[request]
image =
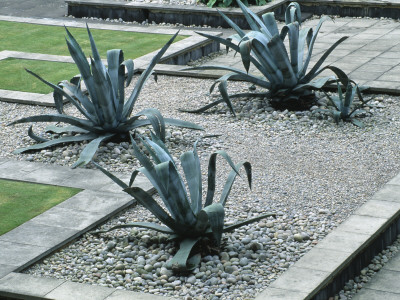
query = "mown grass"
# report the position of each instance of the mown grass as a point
(22, 201)
(24, 82)
(46, 39)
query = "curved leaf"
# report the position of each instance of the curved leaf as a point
(34, 136)
(311, 45)
(148, 202)
(111, 176)
(231, 179)
(191, 167)
(146, 225)
(64, 129)
(90, 149)
(61, 91)
(84, 124)
(252, 220)
(50, 143)
(179, 263)
(315, 68)
(128, 107)
(212, 174)
(270, 23)
(216, 214)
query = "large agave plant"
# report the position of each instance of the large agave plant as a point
(283, 71)
(187, 218)
(107, 113)
(344, 107)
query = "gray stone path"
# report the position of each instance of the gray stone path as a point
(385, 284)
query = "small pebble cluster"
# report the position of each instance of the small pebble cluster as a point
(353, 286)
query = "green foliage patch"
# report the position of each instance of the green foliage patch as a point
(46, 39)
(14, 78)
(22, 201)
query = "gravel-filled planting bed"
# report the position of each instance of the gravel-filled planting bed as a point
(310, 171)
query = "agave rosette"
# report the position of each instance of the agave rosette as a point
(283, 71)
(107, 113)
(186, 218)
(343, 104)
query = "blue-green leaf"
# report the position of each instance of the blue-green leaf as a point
(90, 149)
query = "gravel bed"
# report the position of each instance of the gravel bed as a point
(309, 170)
(353, 286)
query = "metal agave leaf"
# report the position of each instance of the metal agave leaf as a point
(105, 110)
(283, 71)
(344, 107)
(186, 216)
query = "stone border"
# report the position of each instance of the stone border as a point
(179, 53)
(159, 13)
(353, 8)
(346, 250)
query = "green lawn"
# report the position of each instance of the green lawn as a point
(45, 39)
(21, 201)
(51, 40)
(24, 82)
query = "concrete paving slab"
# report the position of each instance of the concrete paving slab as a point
(279, 294)
(6, 269)
(14, 254)
(327, 260)
(389, 192)
(69, 218)
(293, 280)
(55, 175)
(374, 68)
(369, 294)
(363, 224)
(380, 209)
(85, 178)
(44, 235)
(17, 169)
(99, 202)
(72, 290)
(32, 286)
(393, 264)
(386, 281)
(128, 295)
(343, 241)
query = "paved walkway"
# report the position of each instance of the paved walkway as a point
(385, 284)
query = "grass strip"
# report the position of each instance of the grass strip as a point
(15, 78)
(47, 39)
(22, 201)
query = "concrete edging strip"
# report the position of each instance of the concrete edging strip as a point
(339, 248)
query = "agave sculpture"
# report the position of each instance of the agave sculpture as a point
(343, 105)
(283, 71)
(187, 219)
(107, 113)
